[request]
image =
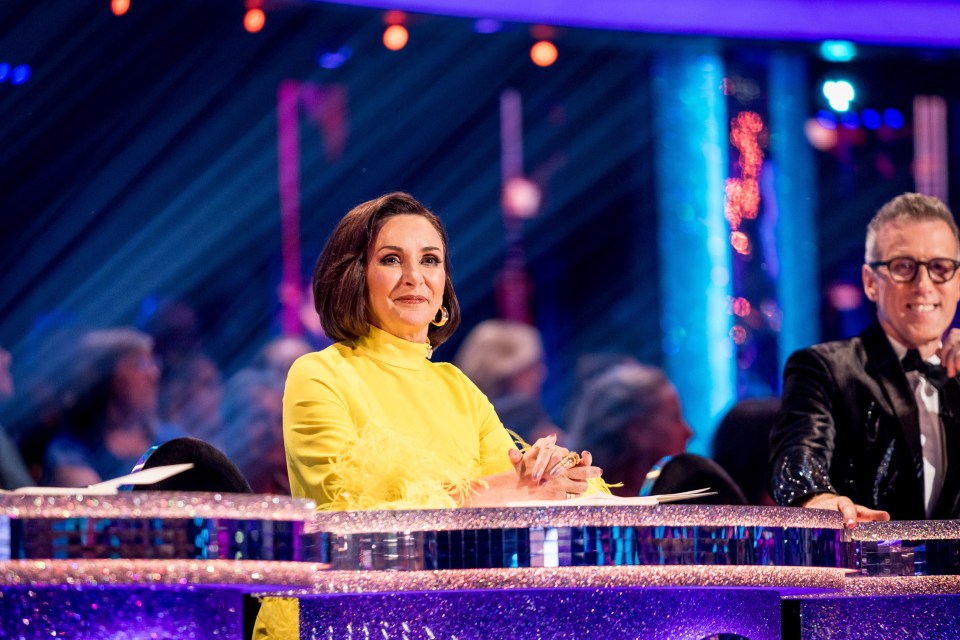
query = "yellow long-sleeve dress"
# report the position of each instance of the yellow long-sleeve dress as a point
(376, 425)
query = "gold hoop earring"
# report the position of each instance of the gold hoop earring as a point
(442, 317)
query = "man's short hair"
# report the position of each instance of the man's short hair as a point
(914, 207)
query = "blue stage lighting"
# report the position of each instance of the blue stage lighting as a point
(871, 119)
(334, 59)
(691, 159)
(850, 120)
(487, 25)
(826, 119)
(838, 50)
(20, 74)
(4, 71)
(892, 118)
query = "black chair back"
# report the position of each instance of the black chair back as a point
(212, 470)
(688, 471)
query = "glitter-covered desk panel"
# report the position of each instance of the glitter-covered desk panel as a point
(652, 614)
(78, 538)
(589, 546)
(909, 548)
(925, 617)
(114, 613)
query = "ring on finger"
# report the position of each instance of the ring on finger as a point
(568, 461)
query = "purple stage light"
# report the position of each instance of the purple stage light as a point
(923, 23)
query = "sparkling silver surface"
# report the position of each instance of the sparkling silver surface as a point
(909, 548)
(578, 577)
(98, 573)
(346, 522)
(865, 586)
(157, 504)
(908, 529)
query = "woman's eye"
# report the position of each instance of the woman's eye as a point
(431, 260)
(390, 259)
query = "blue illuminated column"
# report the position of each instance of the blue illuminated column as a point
(691, 160)
(796, 201)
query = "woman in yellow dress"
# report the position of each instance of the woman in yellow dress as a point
(370, 422)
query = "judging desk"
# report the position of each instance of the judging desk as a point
(193, 565)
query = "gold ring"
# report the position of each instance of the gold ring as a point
(570, 460)
(571, 495)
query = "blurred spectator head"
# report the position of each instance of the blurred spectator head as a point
(175, 331)
(115, 371)
(278, 354)
(629, 418)
(741, 445)
(190, 397)
(503, 357)
(253, 428)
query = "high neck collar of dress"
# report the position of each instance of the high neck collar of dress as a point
(389, 349)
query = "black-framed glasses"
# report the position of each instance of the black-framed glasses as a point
(906, 269)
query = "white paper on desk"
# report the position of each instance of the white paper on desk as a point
(109, 487)
(607, 500)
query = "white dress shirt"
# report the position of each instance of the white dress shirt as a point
(931, 430)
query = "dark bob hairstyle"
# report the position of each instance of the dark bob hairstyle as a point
(340, 277)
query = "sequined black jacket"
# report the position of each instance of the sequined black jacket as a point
(848, 424)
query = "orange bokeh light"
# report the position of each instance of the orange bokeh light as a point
(254, 19)
(119, 7)
(543, 53)
(740, 242)
(395, 37)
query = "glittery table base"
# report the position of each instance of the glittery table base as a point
(929, 617)
(796, 578)
(110, 613)
(252, 575)
(652, 614)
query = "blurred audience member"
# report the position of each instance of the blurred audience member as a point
(13, 472)
(253, 428)
(741, 446)
(37, 411)
(111, 409)
(505, 360)
(278, 354)
(190, 396)
(629, 417)
(175, 331)
(591, 366)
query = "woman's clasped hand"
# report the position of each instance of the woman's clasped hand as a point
(544, 471)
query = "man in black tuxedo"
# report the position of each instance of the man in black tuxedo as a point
(871, 426)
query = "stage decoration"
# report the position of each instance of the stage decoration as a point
(326, 107)
(792, 261)
(693, 237)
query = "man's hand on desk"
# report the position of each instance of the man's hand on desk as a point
(852, 513)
